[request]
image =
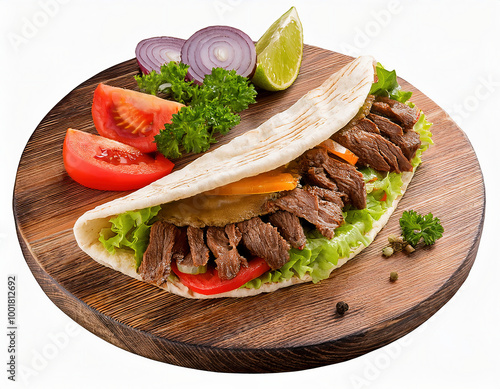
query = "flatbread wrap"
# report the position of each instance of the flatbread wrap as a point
(341, 157)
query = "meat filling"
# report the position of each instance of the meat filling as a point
(223, 242)
(264, 241)
(400, 113)
(345, 176)
(385, 139)
(373, 150)
(324, 215)
(166, 243)
(289, 227)
(199, 250)
(385, 126)
(408, 141)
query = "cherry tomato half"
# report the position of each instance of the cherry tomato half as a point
(131, 117)
(100, 163)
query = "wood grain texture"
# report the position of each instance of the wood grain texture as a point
(291, 329)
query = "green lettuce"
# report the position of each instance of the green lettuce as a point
(423, 127)
(129, 230)
(387, 85)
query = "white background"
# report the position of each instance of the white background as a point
(448, 49)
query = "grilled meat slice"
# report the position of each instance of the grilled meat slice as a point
(264, 241)
(398, 112)
(386, 127)
(199, 250)
(222, 241)
(373, 150)
(289, 227)
(166, 243)
(324, 215)
(347, 179)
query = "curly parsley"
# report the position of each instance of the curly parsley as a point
(171, 81)
(416, 227)
(211, 108)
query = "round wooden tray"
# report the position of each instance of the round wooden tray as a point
(291, 329)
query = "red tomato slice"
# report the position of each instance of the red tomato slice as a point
(100, 163)
(131, 117)
(210, 283)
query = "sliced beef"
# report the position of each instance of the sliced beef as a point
(289, 227)
(346, 177)
(398, 112)
(373, 150)
(222, 241)
(335, 197)
(408, 141)
(348, 180)
(385, 126)
(325, 216)
(234, 236)
(186, 261)
(330, 216)
(317, 176)
(368, 125)
(166, 243)
(299, 202)
(264, 241)
(198, 249)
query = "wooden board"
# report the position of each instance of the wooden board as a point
(291, 329)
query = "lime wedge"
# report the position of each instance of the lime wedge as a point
(279, 53)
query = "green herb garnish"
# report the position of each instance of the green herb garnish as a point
(211, 108)
(171, 81)
(387, 85)
(416, 227)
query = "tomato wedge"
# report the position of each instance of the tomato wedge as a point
(340, 151)
(268, 182)
(209, 283)
(100, 163)
(131, 117)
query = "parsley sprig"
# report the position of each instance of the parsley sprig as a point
(171, 81)
(416, 227)
(211, 108)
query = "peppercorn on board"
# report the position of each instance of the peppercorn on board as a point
(291, 329)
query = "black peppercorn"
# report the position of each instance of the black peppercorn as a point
(342, 307)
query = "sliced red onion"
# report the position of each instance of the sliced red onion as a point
(218, 47)
(151, 53)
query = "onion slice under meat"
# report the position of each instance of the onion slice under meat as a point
(151, 53)
(219, 47)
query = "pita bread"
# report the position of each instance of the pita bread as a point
(314, 118)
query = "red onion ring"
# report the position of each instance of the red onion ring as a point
(218, 47)
(151, 53)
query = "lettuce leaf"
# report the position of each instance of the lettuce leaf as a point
(422, 126)
(387, 85)
(129, 230)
